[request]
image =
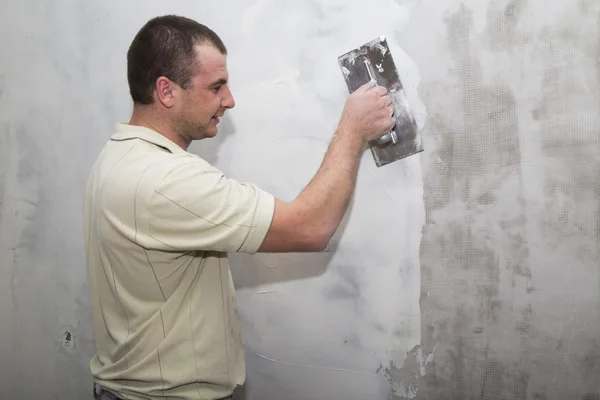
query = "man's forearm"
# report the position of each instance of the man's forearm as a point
(308, 222)
(326, 197)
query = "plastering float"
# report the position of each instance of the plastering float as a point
(373, 61)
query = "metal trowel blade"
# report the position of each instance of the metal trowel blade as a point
(407, 139)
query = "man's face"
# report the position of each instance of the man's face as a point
(207, 99)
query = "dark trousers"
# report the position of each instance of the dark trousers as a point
(102, 394)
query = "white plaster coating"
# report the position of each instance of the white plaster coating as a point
(357, 309)
(345, 71)
(316, 325)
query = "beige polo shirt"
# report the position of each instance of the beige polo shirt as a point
(158, 223)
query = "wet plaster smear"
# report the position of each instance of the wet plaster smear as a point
(469, 271)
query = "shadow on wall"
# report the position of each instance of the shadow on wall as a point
(264, 268)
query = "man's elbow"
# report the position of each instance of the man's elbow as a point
(318, 238)
(317, 246)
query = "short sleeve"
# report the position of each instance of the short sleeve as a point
(196, 207)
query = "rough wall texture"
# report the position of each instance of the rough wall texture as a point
(511, 247)
(506, 195)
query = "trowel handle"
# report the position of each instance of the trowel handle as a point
(390, 135)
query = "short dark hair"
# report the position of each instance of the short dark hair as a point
(164, 46)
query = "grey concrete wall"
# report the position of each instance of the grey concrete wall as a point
(484, 283)
(511, 248)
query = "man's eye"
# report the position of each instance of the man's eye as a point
(216, 89)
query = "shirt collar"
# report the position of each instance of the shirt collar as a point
(126, 132)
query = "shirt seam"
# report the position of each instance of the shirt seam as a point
(101, 234)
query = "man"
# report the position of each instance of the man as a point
(159, 221)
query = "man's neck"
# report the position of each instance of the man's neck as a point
(149, 118)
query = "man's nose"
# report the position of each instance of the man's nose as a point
(228, 101)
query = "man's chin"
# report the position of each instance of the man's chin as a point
(208, 134)
(212, 131)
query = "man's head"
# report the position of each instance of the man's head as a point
(178, 67)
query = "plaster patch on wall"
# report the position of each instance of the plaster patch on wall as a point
(472, 249)
(494, 234)
(354, 308)
(405, 380)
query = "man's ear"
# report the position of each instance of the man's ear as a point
(165, 91)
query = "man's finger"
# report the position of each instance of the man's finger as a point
(392, 123)
(380, 90)
(367, 86)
